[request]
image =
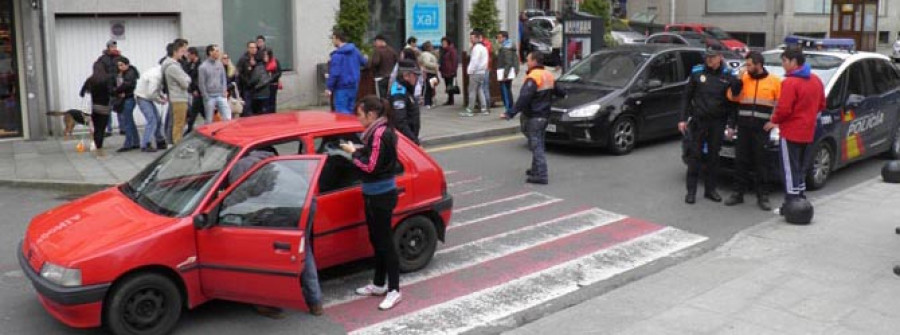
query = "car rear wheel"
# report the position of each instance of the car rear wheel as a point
(822, 165)
(147, 303)
(415, 240)
(622, 136)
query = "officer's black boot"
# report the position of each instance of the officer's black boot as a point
(734, 199)
(690, 198)
(762, 199)
(712, 195)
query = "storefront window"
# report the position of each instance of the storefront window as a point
(10, 111)
(389, 19)
(731, 6)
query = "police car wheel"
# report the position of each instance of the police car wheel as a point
(622, 136)
(822, 165)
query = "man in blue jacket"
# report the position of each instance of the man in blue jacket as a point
(343, 73)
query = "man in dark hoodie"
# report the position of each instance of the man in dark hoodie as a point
(245, 69)
(343, 73)
(122, 90)
(108, 61)
(195, 105)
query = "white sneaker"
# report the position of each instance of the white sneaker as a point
(392, 299)
(371, 290)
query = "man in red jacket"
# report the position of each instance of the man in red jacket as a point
(802, 97)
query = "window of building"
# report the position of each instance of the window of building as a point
(246, 19)
(812, 6)
(731, 6)
(884, 37)
(10, 112)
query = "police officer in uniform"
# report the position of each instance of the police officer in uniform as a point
(405, 117)
(704, 112)
(756, 102)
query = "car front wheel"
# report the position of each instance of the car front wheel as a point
(146, 303)
(415, 240)
(622, 136)
(822, 165)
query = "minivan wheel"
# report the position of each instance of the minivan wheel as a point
(144, 304)
(415, 240)
(622, 136)
(823, 164)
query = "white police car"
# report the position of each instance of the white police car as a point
(862, 114)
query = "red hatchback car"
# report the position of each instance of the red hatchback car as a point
(716, 32)
(184, 231)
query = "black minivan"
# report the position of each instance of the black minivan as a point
(619, 96)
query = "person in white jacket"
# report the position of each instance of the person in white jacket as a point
(478, 66)
(148, 93)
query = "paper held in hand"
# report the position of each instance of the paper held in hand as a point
(509, 76)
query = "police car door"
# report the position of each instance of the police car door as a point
(861, 115)
(882, 125)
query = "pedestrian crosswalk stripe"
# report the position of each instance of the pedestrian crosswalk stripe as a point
(499, 208)
(494, 303)
(502, 200)
(463, 182)
(483, 250)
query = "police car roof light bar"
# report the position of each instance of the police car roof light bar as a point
(830, 44)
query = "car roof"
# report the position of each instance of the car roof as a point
(248, 130)
(845, 56)
(651, 48)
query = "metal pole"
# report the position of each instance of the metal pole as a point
(671, 11)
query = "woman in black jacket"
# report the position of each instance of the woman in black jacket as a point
(97, 86)
(273, 67)
(377, 159)
(121, 87)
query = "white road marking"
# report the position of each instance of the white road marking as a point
(492, 304)
(463, 182)
(471, 191)
(482, 250)
(549, 200)
(484, 204)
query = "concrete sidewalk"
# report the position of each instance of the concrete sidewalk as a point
(831, 277)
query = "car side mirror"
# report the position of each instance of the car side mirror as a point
(202, 221)
(854, 100)
(653, 83)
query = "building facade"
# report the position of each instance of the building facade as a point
(47, 46)
(763, 24)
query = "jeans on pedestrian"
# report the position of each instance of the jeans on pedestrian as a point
(476, 89)
(486, 86)
(132, 140)
(309, 278)
(151, 130)
(344, 99)
(212, 103)
(506, 93)
(379, 208)
(536, 128)
(795, 162)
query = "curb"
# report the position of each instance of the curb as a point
(56, 185)
(475, 135)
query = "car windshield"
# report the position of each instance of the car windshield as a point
(823, 66)
(176, 182)
(717, 33)
(613, 69)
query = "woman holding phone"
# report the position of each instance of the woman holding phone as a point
(377, 159)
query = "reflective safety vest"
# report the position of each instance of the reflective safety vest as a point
(757, 99)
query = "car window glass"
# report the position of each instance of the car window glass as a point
(838, 95)
(857, 83)
(689, 59)
(883, 76)
(273, 196)
(338, 171)
(664, 68)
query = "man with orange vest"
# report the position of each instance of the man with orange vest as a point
(534, 102)
(756, 102)
(802, 98)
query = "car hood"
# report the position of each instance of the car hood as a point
(732, 43)
(88, 227)
(578, 95)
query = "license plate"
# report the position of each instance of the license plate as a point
(551, 128)
(727, 152)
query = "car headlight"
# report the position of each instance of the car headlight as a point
(585, 111)
(60, 275)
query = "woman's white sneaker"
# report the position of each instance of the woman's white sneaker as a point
(371, 290)
(390, 300)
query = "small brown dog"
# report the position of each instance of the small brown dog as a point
(73, 117)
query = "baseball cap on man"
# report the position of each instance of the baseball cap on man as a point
(710, 52)
(111, 43)
(408, 65)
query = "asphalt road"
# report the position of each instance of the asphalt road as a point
(493, 203)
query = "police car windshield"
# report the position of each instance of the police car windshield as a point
(613, 69)
(823, 66)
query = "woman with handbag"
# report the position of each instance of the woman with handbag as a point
(449, 63)
(97, 86)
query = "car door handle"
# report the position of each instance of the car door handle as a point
(285, 246)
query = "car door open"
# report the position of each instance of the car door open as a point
(250, 241)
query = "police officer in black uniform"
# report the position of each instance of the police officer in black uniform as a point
(705, 110)
(405, 117)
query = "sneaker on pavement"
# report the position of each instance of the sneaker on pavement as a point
(390, 300)
(467, 113)
(371, 290)
(485, 112)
